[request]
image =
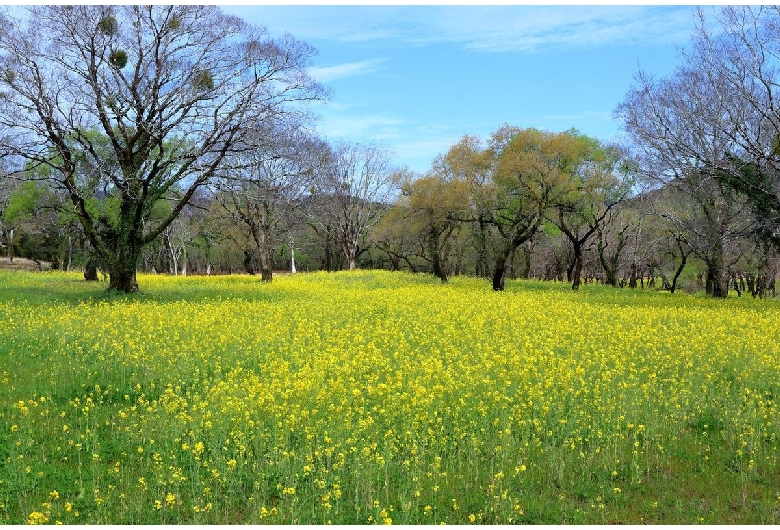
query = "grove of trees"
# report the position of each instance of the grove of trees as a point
(178, 139)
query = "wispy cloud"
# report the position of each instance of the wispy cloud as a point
(530, 28)
(355, 125)
(502, 28)
(326, 74)
(414, 144)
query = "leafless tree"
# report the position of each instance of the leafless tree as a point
(166, 91)
(267, 185)
(353, 186)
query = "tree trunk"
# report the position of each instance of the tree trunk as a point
(520, 233)
(760, 286)
(679, 270)
(352, 256)
(498, 271)
(439, 269)
(292, 255)
(90, 269)
(736, 285)
(11, 245)
(715, 286)
(248, 267)
(481, 268)
(610, 263)
(123, 263)
(70, 253)
(577, 273)
(122, 277)
(528, 252)
(266, 265)
(503, 259)
(576, 269)
(608, 266)
(327, 259)
(434, 247)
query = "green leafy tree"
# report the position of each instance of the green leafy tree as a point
(535, 172)
(20, 205)
(598, 190)
(434, 203)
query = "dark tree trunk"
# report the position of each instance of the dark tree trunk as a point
(248, 266)
(751, 284)
(498, 273)
(736, 285)
(577, 274)
(326, 260)
(122, 278)
(519, 234)
(715, 286)
(761, 281)
(439, 270)
(679, 270)
(123, 262)
(575, 271)
(266, 265)
(90, 270)
(482, 268)
(437, 253)
(610, 264)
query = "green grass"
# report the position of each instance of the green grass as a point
(374, 397)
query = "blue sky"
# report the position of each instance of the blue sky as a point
(415, 79)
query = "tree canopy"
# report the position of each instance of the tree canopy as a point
(170, 90)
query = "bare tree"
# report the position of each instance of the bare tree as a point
(267, 186)
(741, 62)
(714, 126)
(353, 185)
(171, 88)
(683, 129)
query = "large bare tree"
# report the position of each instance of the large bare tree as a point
(711, 128)
(268, 184)
(353, 185)
(171, 88)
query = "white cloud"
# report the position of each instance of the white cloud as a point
(529, 28)
(494, 28)
(414, 144)
(356, 127)
(325, 74)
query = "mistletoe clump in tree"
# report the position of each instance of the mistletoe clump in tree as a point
(152, 99)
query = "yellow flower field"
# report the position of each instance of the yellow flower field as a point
(377, 397)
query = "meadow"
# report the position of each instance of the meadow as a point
(377, 397)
